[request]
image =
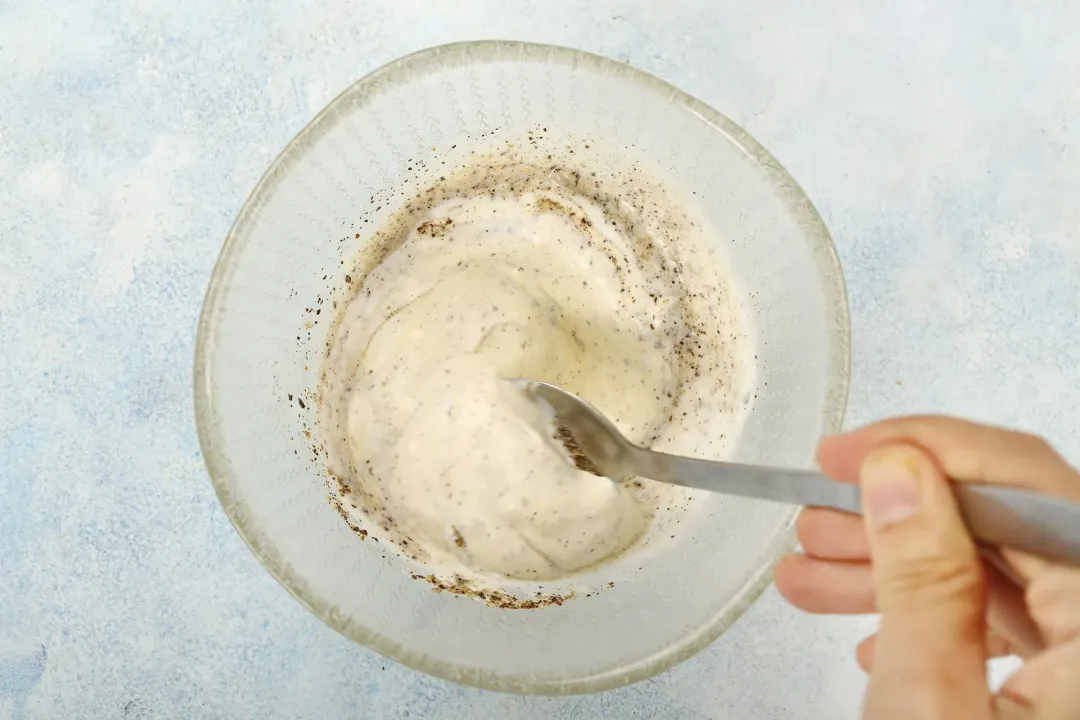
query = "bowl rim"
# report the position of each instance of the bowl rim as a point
(359, 94)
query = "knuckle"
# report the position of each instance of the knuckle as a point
(934, 579)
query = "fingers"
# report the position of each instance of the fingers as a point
(825, 587)
(928, 659)
(1050, 682)
(966, 452)
(834, 575)
(832, 535)
(930, 653)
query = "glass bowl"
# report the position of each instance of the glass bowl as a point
(261, 337)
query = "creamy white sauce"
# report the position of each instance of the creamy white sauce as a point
(516, 266)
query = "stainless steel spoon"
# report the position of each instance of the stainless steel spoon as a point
(1040, 524)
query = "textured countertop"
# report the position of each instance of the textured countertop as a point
(939, 139)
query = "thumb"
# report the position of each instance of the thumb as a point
(930, 653)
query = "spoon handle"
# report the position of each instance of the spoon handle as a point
(1040, 524)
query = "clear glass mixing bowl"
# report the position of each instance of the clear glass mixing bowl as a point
(259, 347)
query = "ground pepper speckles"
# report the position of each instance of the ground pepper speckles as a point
(495, 598)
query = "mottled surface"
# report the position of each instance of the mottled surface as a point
(938, 138)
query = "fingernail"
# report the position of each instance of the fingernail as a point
(890, 487)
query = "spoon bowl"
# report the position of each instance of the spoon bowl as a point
(591, 440)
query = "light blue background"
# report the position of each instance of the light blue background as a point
(940, 139)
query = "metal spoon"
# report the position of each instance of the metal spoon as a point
(1040, 524)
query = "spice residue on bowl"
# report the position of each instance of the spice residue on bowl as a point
(542, 259)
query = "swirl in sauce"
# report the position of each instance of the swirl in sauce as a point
(518, 265)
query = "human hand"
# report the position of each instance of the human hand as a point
(943, 611)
